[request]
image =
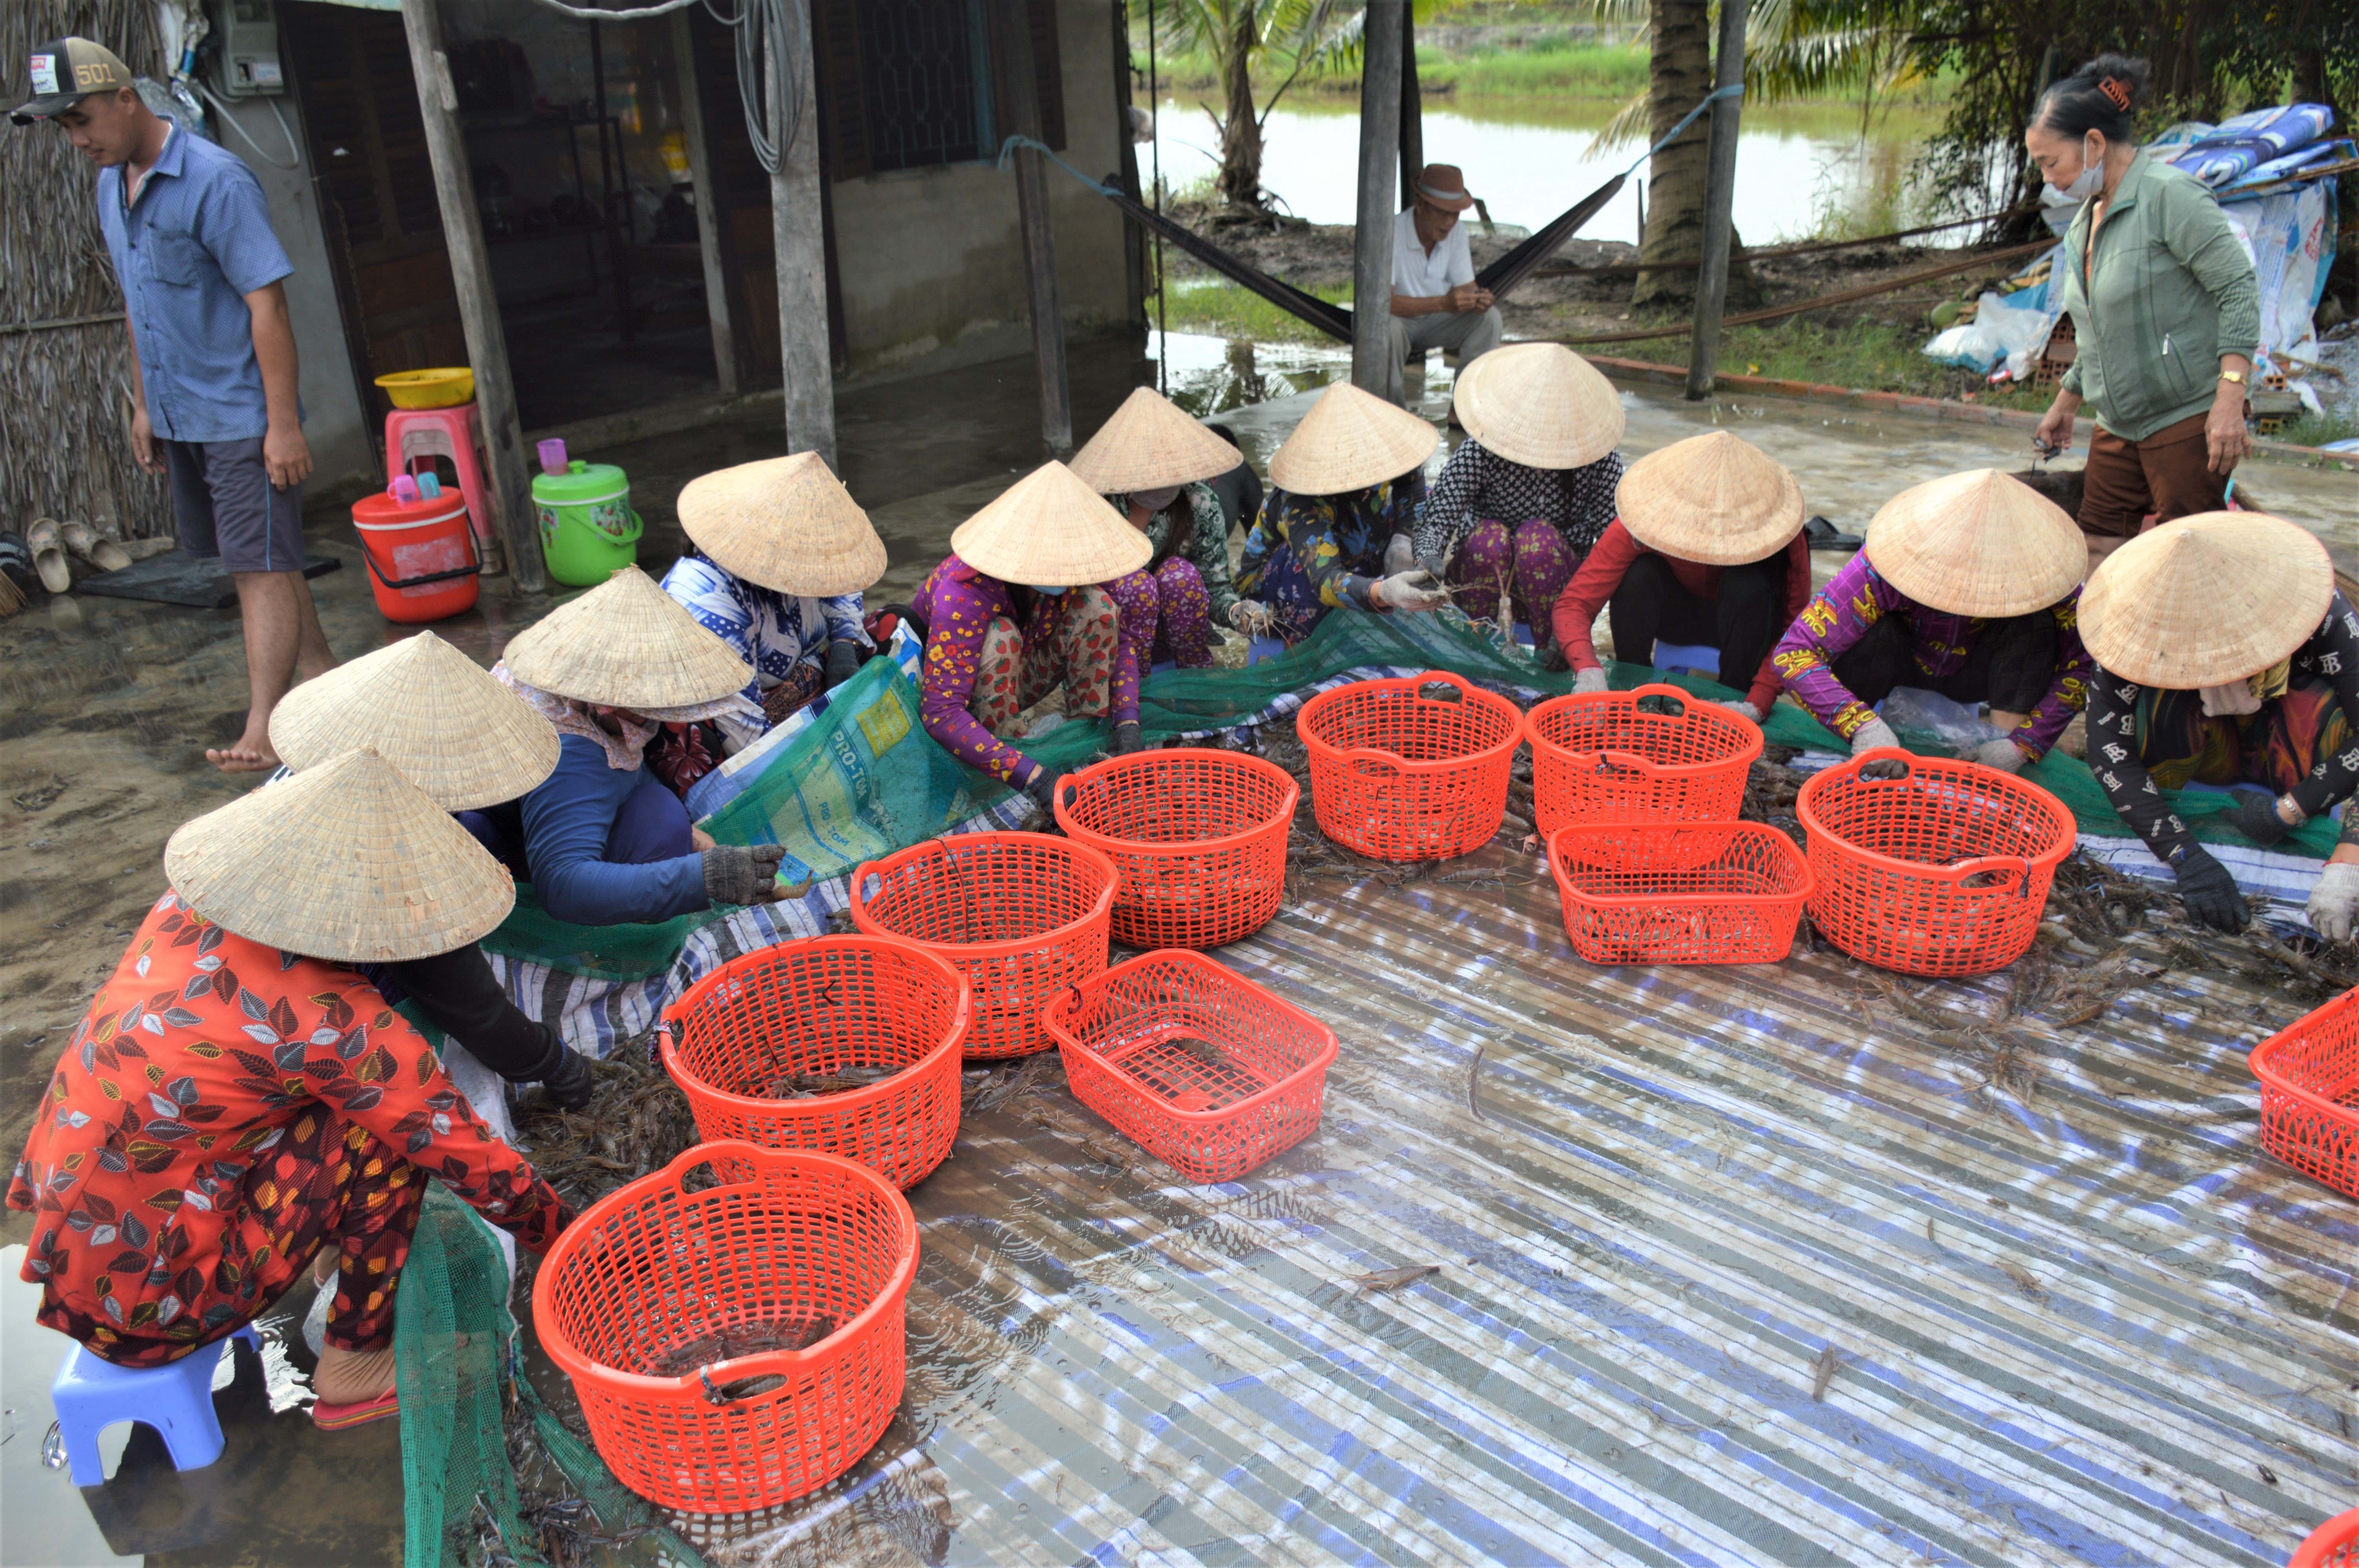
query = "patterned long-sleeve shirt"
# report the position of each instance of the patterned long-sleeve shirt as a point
(1857, 597)
(1333, 538)
(2119, 712)
(958, 605)
(1477, 485)
(1204, 543)
(772, 632)
(195, 1058)
(1599, 577)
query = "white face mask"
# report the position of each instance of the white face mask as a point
(2091, 178)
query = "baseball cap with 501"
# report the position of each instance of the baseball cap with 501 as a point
(66, 71)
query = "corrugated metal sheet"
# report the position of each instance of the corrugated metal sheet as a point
(2081, 1320)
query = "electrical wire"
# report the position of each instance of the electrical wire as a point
(1154, 155)
(640, 14)
(774, 28)
(294, 151)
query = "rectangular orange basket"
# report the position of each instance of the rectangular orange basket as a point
(1680, 892)
(2310, 1094)
(1204, 1069)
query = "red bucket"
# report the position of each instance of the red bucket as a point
(420, 555)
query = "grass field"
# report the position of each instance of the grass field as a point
(1225, 310)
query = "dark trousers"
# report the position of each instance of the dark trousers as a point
(2168, 474)
(2010, 666)
(459, 996)
(1652, 606)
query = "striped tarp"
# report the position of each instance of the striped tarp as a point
(2062, 1308)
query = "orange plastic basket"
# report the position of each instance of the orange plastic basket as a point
(1205, 1070)
(2310, 1094)
(819, 1007)
(1400, 775)
(658, 1304)
(1944, 871)
(1199, 836)
(1680, 892)
(1022, 915)
(2334, 1544)
(1602, 758)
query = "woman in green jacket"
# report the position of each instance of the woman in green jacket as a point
(2165, 307)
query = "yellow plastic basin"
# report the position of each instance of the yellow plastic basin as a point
(429, 388)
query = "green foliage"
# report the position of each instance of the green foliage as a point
(2317, 429)
(1225, 309)
(1865, 355)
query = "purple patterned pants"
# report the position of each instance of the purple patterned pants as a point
(1183, 631)
(1529, 566)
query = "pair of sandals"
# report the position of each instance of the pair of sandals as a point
(47, 541)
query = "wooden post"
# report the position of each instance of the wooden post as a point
(1019, 96)
(799, 239)
(1412, 111)
(1374, 368)
(1134, 238)
(727, 368)
(1720, 197)
(479, 308)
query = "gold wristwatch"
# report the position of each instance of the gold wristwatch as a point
(2235, 376)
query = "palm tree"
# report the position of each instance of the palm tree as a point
(1298, 36)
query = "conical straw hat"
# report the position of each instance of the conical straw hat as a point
(1540, 405)
(1978, 542)
(1051, 530)
(2208, 600)
(1350, 440)
(1712, 498)
(347, 860)
(429, 709)
(627, 644)
(785, 522)
(1149, 444)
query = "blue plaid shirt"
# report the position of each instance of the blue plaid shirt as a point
(188, 253)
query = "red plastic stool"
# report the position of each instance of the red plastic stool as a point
(456, 433)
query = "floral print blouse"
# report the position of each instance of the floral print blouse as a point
(1333, 538)
(1204, 543)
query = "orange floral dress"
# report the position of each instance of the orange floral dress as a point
(223, 1110)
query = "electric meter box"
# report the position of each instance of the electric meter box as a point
(245, 34)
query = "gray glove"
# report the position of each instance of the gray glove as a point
(2334, 902)
(1743, 708)
(1128, 738)
(2002, 753)
(1588, 682)
(843, 661)
(1413, 591)
(2208, 894)
(1876, 732)
(1400, 555)
(742, 873)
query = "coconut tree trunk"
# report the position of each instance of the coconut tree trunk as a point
(1678, 75)
(1239, 181)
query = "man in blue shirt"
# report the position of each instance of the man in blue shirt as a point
(212, 363)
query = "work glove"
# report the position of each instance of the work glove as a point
(1400, 555)
(568, 1083)
(742, 873)
(843, 661)
(1743, 708)
(1552, 660)
(1590, 681)
(1413, 591)
(1042, 787)
(2255, 816)
(2209, 892)
(2002, 753)
(1876, 732)
(1128, 738)
(2334, 902)
(1251, 617)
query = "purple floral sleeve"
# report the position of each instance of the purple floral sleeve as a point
(1135, 610)
(1837, 616)
(2068, 693)
(958, 605)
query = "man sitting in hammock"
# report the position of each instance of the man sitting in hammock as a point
(1437, 304)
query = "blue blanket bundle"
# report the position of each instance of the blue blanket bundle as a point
(2259, 144)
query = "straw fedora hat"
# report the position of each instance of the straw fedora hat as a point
(1713, 498)
(785, 522)
(627, 644)
(1051, 529)
(1150, 444)
(429, 710)
(1350, 440)
(1540, 405)
(347, 860)
(1979, 543)
(2207, 600)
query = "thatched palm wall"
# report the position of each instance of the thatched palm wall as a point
(64, 450)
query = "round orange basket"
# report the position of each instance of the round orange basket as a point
(738, 1346)
(2310, 1094)
(1022, 915)
(1400, 775)
(809, 1018)
(2334, 1544)
(1944, 871)
(1604, 758)
(1197, 836)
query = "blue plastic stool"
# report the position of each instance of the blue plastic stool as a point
(176, 1399)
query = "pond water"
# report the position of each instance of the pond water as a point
(1798, 168)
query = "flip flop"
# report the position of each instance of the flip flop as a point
(49, 554)
(94, 547)
(361, 1412)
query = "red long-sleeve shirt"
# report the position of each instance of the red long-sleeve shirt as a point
(1601, 574)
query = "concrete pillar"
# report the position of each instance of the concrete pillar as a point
(798, 234)
(1720, 197)
(1373, 366)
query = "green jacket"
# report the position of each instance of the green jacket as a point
(2173, 290)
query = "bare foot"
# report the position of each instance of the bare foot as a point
(245, 757)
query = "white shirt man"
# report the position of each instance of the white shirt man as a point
(1436, 302)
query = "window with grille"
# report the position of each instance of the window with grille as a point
(907, 84)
